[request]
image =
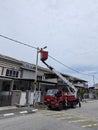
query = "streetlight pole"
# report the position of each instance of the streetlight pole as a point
(36, 70)
(35, 81)
(93, 79)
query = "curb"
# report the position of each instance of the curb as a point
(89, 100)
(20, 112)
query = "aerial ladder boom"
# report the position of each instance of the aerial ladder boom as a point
(72, 98)
(72, 91)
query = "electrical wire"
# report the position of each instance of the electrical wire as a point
(63, 64)
(22, 43)
(69, 67)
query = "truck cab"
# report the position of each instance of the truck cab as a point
(55, 99)
(58, 99)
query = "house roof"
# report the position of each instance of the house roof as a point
(30, 66)
(10, 59)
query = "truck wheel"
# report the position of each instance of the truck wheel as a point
(60, 106)
(49, 108)
(73, 105)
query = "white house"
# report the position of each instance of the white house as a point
(17, 77)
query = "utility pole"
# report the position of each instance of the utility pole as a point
(93, 79)
(94, 86)
(35, 81)
(36, 71)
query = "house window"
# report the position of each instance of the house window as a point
(12, 73)
(39, 78)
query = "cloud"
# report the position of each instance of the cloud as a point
(69, 28)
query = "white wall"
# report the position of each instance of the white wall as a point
(0, 71)
(28, 74)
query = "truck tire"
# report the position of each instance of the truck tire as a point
(72, 105)
(49, 108)
(60, 107)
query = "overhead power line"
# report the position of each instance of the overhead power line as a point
(63, 64)
(22, 43)
(69, 67)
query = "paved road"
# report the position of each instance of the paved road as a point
(37, 121)
(85, 118)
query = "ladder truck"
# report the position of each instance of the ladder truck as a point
(58, 98)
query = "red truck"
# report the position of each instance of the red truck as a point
(58, 98)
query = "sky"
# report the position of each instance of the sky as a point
(69, 29)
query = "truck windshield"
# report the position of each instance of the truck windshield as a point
(51, 92)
